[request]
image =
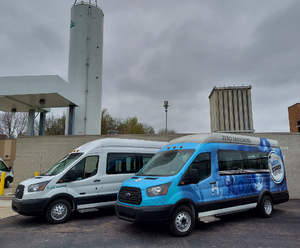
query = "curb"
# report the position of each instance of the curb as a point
(7, 197)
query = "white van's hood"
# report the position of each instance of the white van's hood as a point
(36, 179)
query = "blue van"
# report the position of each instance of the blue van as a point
(204, 176)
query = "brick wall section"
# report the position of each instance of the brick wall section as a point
(41, 152)
(294, 116)
(8, 151)
(2, 144)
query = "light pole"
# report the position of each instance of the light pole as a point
(166, 105)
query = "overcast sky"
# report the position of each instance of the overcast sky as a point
(175, 50)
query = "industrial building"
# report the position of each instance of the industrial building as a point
(231, 109)
(294, 117)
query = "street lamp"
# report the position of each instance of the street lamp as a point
(166, 105)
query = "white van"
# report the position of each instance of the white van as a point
(9, 175)
(88, 177)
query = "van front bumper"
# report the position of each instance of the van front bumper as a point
(143, 214)
(29, 207)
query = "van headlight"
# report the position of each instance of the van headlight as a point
(158, 190)
(37, 186)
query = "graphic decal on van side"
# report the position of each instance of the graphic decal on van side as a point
(260, 182)
(55, 187)
(242, 182)
(264, 145)
(232, 186)
(276, 167)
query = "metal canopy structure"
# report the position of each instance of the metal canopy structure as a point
(36, 94)
(22, 93)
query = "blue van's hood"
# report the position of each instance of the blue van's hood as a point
(144, 182)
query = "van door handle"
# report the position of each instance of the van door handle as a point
(213, 183)
(97, 180)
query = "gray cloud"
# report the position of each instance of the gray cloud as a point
(169, 50)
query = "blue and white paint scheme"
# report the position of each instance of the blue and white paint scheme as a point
(211, 174)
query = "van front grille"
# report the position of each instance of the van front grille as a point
(130, 195)
(19, 191)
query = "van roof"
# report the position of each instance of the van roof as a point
(116, 142)
(225, 138)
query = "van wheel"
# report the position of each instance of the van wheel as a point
(266, 207)
(182, 222)
(58, 211)
(6, 183)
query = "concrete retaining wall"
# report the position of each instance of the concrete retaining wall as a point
(290, 148)
(41, 152)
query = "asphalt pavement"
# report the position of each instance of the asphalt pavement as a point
(5, 203)
(103, 229)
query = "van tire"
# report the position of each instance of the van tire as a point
(182, 222)
(59, 211)
(6, 183)
(266, 207)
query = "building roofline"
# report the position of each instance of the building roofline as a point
(234, 87)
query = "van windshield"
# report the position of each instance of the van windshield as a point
(166, 163)
(62, 164)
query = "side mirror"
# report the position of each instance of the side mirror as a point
(190, 177)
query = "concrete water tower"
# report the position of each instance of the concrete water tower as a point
(85, 68)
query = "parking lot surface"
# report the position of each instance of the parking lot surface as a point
(104, 229)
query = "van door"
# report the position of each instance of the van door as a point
(208, 189)
(86, 187)
(118, 168)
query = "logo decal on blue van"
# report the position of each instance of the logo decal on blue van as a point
(276, 167)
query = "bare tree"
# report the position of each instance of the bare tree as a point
(13, 124)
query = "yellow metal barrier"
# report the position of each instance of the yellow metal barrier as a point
(36, 173)
(2, 183)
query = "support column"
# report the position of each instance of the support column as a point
(30, 125)
(42, 123)
(71, 120)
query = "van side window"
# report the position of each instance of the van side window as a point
(202, 164)
(256, 160)
(126, 162)
(232, 162)
(86, 168)
(144, 158)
